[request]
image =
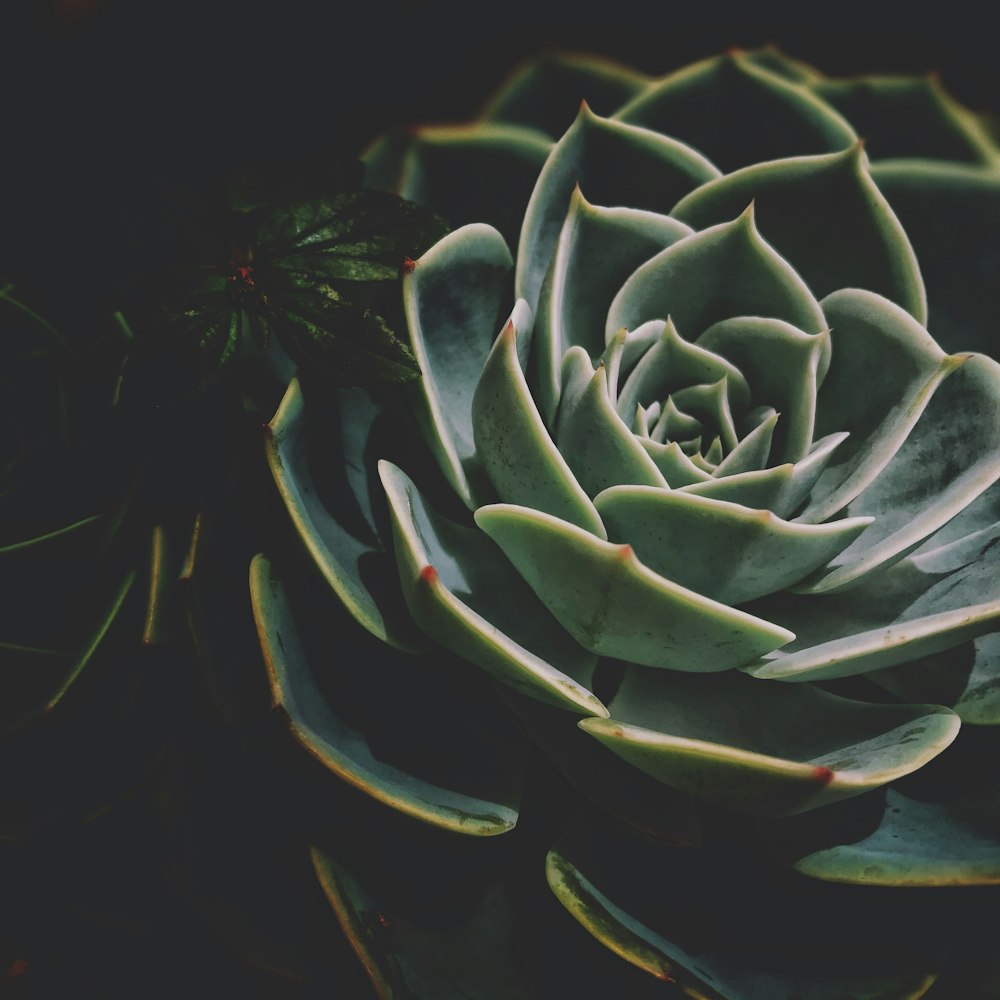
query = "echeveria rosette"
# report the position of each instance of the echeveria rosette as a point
(714, 487)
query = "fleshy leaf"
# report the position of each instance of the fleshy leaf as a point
(752, 452)
(966, 678)
(596, 444)
(613, 605)
(475, 173)
(862, 243)
(899, 841)
(909, 116)
(465, 958)
(546, 92)
(951, 456)
(739, 113)
(514, 447)
(677, 469)
(727, 552)
(454, 299)
(463, 593)
(598, 249)
(612, 164)
(923, 605)
(782, 366)
(884, 369)
(708, 975)
(760, 488)
(951, 214)
(346, 548)
(723, 271)
(343, 749)
(769, 749)
(674, 364)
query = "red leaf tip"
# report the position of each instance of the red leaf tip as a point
(408, 265)
(429, 575)
(625, 552)
(822, 776)
(16, 968)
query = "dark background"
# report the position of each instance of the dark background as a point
(100, 96)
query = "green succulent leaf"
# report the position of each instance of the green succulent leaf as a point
(342, 748)
(737, 113)
(862, 243)
(769, 749)
(899, 840)
(341, 537)
(612, 164)
(615, 606)
(904, 117)
(598, 248)
(951, 456)
(455, 295)
(590, 435)
(727, 552)
(546, 92)
(464, 958)
(462, 592)
(705, 975)
(951, 213)
(926, 603)
(723, 271)
(521, 459)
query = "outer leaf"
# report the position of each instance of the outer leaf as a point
(612, 604)
(951, 214)
(343, 749)
(950, 458)
(912, 843)
(454, 299)
(545, 92)
(708, 976)
(739, 113)
(462, 592)
(909, 116)
(765, 748)
(343, 540)
(481, 173)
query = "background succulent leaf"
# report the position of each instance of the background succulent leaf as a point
(738, 113)
(545, 91)
(898, 840)
(950, 213)
(344, 749)
(338, 526)
(909, 117)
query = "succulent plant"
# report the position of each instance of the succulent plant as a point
(703, 480)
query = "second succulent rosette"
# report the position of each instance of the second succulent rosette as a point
(693, 472)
